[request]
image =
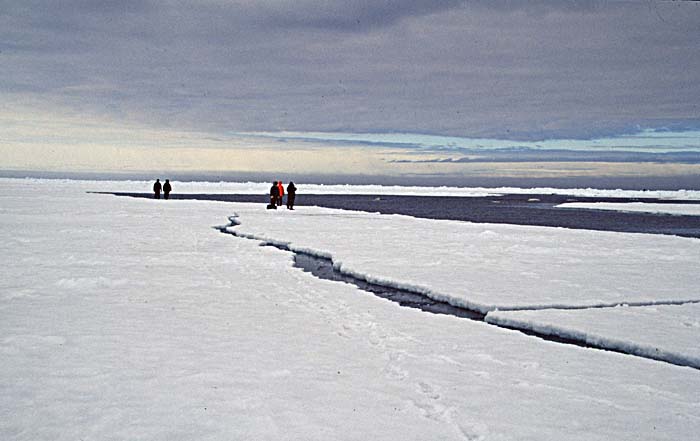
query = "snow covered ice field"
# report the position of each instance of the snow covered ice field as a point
(136, 319)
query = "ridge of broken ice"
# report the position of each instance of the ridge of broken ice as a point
(668, 333)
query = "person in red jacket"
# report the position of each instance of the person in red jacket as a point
(281, 188)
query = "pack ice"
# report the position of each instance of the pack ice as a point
(135, 319)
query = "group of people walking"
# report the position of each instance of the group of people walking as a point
(157, 187)
(277, 193)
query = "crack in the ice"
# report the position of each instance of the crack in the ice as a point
(321, 266)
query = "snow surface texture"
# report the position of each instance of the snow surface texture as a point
(669, 333)
(135, 319)
(264, 188)
(675, 209)
(487, 266)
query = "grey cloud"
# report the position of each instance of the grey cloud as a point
(114, 6)
(503, 69)
(353, 15)
(535, 156)
(544, 7)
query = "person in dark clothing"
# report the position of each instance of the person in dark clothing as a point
(167, 189)
(156, 189)
(291, 195)
(274, 194)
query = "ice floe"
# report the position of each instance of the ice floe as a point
(488, 266)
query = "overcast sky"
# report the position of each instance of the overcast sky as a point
(493, 69)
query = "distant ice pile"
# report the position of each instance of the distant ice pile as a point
(264, 187)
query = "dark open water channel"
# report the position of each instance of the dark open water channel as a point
(528, 209)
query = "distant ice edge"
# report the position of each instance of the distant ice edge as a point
(598, 341)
